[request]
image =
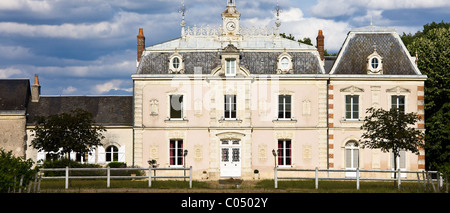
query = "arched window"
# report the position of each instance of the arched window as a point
(112, 154)
(351, 155)
(285, 63)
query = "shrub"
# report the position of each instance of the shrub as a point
(12, 169)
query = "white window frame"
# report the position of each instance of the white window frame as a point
(229, 105)
(353, 148)
(285, 62)
(176, 154)
(283, 110)
(111, 153)
(283, 153)
(181, 106)
(397, 105)
(230, 67)
(352, 109)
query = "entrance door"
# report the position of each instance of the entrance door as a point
(230, 158)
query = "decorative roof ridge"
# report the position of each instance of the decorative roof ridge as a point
(372, 28)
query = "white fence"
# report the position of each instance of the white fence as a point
(426, 176)
(109, 176)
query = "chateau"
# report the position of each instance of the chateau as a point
(225, 99)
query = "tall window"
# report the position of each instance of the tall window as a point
(352, 107)
(401, 160)
(284, 107)
(230, 67)
(176, 152)
(112, 154)
(230, 107)
(176, 107)
(284, 152)
(351, 155)
(398, 102)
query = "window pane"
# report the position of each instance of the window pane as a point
(394, 102)
(355, 158)
(288, 152)
(176, 106)
(348, 158)
(236, 155)
(176, 63)
(230, 67)
(224, 154)
(374, 63)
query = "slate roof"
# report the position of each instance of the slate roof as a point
(360, 43)
(255, 62)
(14, 94)
(106, 110)
(259, 55)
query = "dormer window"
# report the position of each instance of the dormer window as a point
(176, 63)
(230, 67)
(284, 63)
(374, 63)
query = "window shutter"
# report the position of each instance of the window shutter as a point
(101, 155)
(122, 154)
(91, 157)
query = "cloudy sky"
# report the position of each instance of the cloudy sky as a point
(88, 47)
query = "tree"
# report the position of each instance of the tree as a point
(291, 37)
(64, 133)
(392, 131)
(432, 47)
(12, 169)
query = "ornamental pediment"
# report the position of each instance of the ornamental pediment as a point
(398, 90)
(352, 89)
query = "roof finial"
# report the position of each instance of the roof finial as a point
(231, 3)
(371, 20)
(183, 23)
(278, 22)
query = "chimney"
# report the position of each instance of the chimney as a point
(321, 45)
(140, 44)
(35, 90)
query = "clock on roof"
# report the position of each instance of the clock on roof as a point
(231, 26)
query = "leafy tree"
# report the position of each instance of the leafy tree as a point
(64, 133)
(392, 131)
(11, 171)
(291, 37)
(433, 50)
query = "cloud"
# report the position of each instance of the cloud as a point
(116, 85)
(10, 72)
(39, 6)
(293, 22)
(334, 8)
(14, 52)
(69, 90)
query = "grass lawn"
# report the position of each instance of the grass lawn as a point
(302, 186)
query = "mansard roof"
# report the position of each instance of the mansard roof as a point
(258, 54)
(14, 94)
(106, 110)
(361, 42)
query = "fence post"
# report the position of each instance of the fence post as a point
(149, 176)
(399, 179)
(317, 178)
(276, 179)
(108, 177)
(357, 178)
(190, 177)
(67, 177)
